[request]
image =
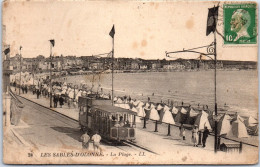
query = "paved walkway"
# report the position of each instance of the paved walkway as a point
(171, 147)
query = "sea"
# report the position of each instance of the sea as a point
(237, 91)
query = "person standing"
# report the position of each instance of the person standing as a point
(55, 100)
(195, 137)
(85, 140)
(38, 93)
(182, 132)
(205, 136)
(61, 100)
(96, 141)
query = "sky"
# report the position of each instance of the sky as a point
(142, 29)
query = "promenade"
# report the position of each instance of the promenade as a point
(159, 142)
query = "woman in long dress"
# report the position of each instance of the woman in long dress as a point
(195, 137)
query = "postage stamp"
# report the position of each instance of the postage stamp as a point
(240, 24)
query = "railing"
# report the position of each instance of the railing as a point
(211, 134)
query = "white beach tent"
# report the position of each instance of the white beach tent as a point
(251, 121)
(137, 118)
(167, 117)
(140, 109)
(135, 103)
(192, 117)
(202, 121)
(174, 110)
(238, 129)
(119, 101)
(154, 113)
(181, 116)
(224, 125)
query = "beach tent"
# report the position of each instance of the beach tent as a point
(77, 96)
(71, 94)
(160, 111)
(252, 125)
(224, 125)
(140, 109)
(192, 115)
(202, 121)
(115, 99)
(119, 101)
(137, 119)
(250, 121)
(182, 115)
(154, 113)
(174, 111)
(167, 117)
(238, 129)
(135, 103)
(134, 109)
(147, 110)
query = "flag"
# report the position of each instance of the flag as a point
(6, 51)
(52, 42)
(212, 20)
(112, 32)
(21, 47)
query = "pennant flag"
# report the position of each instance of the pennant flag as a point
(212, 20)
(52, 42)
(112, 32)
(6, 51)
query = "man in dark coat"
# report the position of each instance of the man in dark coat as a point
(38, 93)
(55, 100)
(61, 100)
(205, 136)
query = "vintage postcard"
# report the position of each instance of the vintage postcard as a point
(130, 82)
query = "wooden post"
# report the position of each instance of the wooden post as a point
(219, 140)
(156, 124)
(144, 123)
(240, 147)
(169, 130)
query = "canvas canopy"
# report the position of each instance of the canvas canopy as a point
(154, 113)
(183, 110)
(140, 110)
(181, 116)
(119, 101)
(224, 125)
(136, 103)
(202, 121)
(174, 110)
(159, 107)
(167, 117)
(250, 121)
(238, 129)
(192, 117)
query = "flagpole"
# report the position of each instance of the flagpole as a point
(20, 71)
(50, 74)
(215, 92)
(113, 71)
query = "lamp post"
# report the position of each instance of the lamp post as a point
(20, 70)
(211, 51)
(50, 75)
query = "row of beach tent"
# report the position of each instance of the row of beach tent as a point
(230, 126)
